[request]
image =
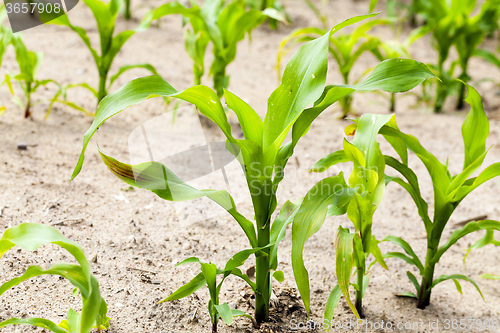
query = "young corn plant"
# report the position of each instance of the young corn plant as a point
(29, 63)
(449, 191)
(473, 31)
(208, 277)
(261, 153)
(224, 26)
(105, 15)
(29, 237)
(452, 24)
(345, 49)
(359, 198)
(276, 10)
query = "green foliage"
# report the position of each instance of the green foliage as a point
(29, 62)
(224, 26)
(30, 236)
(449, 191)
(345, 49)
(105, 16)
(274, 8)
(208, 277)
(362, 196)
(261, 152)
(452, 24)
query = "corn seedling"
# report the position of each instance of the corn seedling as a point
(345, 49)
(391, 50)
(29, 63)
(452, 24)
(105, 16)
(359, 199)
(208, 277)
(262, 153)
(30, 236)
(449, 191)
(221, 25)
(274, 8)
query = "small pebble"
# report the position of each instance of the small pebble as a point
(119, 305)
(186, 246)
(22, 146)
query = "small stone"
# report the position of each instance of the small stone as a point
(155, 282)
(186, 246)
(119, 305)
(22, 146)
(251, 272)
(94, 258)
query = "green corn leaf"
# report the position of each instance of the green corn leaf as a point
(375, 250)
(490, 276)
(330, 160)
(225, 312)
(30, 236)
(412, 259)
(486, 240)
(395, 75)
(195, 284)
(412, 187)
(490, 172)
(309, 219)
(456, 277)
(209, 271)
(462, 232)
(73, 273)
(239, 313)
(408, 294)
(250, 122)
(279, 276)
(239, 258)
(413, 280)
(157, 178)
(475, 128)
(331, 304)
(126, 68)
(189, 261)
(488, 56)
(344, 253)
(302, 84)
(39, 322)
(278, 229)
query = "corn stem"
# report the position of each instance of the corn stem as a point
(359, 292)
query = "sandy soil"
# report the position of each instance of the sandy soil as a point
(136, 238)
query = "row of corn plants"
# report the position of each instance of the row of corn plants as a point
(453, 25)
(264, 154)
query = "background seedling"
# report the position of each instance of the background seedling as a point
(222, 25)
(29, 62)
(30, 236)
(452, 24)
(262, 153)
(105, 16)
(449, 191)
